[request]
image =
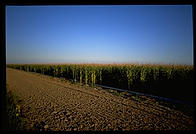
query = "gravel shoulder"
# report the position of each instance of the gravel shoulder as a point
(52, 104)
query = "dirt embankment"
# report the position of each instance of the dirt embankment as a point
(58, 105)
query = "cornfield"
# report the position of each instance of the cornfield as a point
(155, 79)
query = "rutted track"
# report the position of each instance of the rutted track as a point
(64, 106)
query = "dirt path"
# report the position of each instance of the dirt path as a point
(58, 105)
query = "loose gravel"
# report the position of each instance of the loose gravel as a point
(51, 104)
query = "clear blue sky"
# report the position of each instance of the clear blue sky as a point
(107, 33)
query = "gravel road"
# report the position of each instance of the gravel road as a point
(52, 104)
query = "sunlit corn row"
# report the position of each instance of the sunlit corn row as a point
(125, 76)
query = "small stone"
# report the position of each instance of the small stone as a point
(75, 129)
(81, 126)
(62, 118)
(70, 117)
(46, 126)
(68, 113)
(54, 112)
(31, 125)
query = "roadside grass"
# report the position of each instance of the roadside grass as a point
(16, 120)
(136, 98)
(115, 92)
